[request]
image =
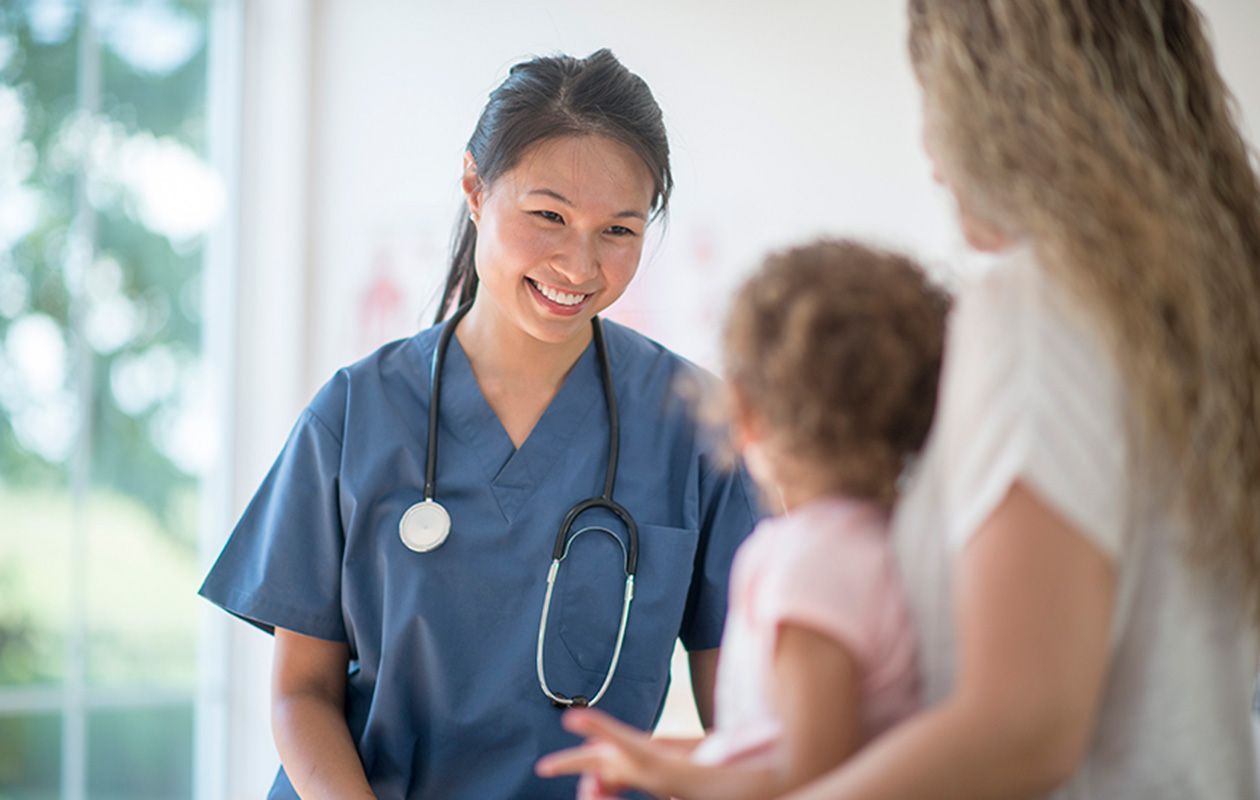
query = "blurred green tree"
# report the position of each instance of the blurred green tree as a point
(142, 288)
(105, 199)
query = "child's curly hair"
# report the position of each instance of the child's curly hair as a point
(835, 349)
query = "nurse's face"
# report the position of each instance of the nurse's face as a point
(560, 234)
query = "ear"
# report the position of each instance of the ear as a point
(474, 189)
(745, 428)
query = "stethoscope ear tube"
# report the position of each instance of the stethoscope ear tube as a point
(435, 384)
(610, 472)
(632, 530)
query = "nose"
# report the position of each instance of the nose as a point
(578, 258)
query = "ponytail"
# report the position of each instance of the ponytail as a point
(461, 280)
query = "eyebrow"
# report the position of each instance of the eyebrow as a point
(557, 196)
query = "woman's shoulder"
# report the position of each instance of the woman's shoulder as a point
(1030, 390)
(1016, 294)
(649, 375)
(402, 353)
(1016, 327)
(638, 354)
(393, 369)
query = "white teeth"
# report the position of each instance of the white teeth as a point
(556, 296)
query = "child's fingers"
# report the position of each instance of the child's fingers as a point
(592, 788)
(573, 761)
(595, 724)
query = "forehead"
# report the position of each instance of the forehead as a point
(586, 170)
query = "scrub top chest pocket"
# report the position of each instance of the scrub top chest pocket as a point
(588, 592)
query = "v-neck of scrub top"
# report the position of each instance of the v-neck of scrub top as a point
(515, 473)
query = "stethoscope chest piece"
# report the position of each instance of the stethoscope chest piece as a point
(425, 526)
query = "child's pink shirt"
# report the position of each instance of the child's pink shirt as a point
(827, 566)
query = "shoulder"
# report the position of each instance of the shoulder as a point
(1030, 390)
(651, 377)
(833, 549)
(1016, 310)
(660, 394)
(1018, 336)
(829, 566)
(833, 533)
(398, 368)
(642, 356)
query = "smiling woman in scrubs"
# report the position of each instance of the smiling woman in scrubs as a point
(404, 674)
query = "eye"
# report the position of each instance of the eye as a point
(620, 230)
(550, 216)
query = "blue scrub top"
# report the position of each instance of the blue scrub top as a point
(442, 695)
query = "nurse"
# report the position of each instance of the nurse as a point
(402, 673)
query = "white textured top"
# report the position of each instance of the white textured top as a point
(1030, 392)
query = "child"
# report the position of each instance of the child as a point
(832, 353)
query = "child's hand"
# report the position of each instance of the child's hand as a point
(589, 788)
(615, 757)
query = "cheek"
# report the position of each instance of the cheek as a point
(981, 236)
(620, 262)
(927, 135)
(510, 247)
(759, 467)
(936, 172)
(931, 156)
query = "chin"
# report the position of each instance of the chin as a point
(558, 331)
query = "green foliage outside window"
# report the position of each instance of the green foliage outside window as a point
(105, 422)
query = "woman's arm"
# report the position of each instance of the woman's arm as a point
(816, 689)
(1034, 604)
(308, 692)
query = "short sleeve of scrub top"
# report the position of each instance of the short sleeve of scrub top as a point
(443, 698)
(288, 574)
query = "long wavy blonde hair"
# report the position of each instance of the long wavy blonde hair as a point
(1102, 132)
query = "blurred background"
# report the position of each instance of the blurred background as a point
(207, 206)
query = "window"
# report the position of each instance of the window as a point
(107, 424)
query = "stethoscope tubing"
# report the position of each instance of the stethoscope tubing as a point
(627, 595)
(435, 390)
(563, 538)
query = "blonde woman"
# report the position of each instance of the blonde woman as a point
(1081, 542)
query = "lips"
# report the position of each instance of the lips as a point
(557, 301)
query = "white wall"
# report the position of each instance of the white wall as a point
(787, 120)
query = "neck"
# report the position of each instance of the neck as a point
(790, 481)
(796, 494)
(501, 353)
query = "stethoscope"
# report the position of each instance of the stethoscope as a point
(426, 524)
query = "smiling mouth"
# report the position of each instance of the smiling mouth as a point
(556, 296)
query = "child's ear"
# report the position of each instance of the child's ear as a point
(745, 427)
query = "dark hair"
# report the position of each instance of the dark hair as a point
(546, 98)
(836, 349)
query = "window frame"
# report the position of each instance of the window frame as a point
(73, 699)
